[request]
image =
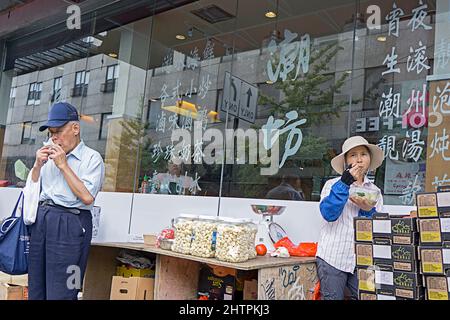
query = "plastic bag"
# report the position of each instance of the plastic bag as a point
(285, 242)
(167, 233)
(281, 252)
(304, 249)
(134, 259)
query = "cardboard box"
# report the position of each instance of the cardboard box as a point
(363, 229)
(434, 260)
(434, 231)
(426, 205)
(134, 288)
(217, 283)
(126, 271)
(150, 239)
(364, 254)
(438, 287)
(400, 229)
(10, 291)
(405, 258)
(251, 289)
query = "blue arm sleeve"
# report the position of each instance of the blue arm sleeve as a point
(331, 206)
(367, 214)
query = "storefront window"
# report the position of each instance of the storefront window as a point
(196, 106)
(185, 78)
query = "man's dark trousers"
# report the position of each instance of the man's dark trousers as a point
(59, 248)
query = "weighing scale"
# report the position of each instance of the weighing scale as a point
(269, 232)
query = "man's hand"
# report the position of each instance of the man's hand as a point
(42, 156)
(361, 202)
(58, 156)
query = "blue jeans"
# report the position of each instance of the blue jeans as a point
(333, 282)
(59, 248)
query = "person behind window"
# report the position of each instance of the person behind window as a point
(287, 189)
(174, 181)
(336, 259)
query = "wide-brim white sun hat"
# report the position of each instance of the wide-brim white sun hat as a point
(376, 153)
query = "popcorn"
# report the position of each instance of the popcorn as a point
(234, 241)
(183, 234)
(204, 240)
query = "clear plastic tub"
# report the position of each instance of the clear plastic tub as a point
(184, 225)
(204, 237)
(232, 240)
(371, 195)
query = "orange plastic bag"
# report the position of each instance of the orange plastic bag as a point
(285, 242)
(304, 249)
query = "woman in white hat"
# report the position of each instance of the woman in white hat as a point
(336, 259)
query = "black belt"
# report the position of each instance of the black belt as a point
(50, 203)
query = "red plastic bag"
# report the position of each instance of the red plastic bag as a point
(165, 234)
(304, 249)
(285, 242)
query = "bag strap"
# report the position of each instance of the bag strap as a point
(17, 204)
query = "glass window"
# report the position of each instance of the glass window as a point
(30, 100)
(12, 97)
(103, 134)
(112, 74)
(28, 131)
(34, 93)
(318, 72)
(187, 71)
(81, 84)
(57, 85)
(37, 93)
(82, 78)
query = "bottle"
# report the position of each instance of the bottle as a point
(144, 185)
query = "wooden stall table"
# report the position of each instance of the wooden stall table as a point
(176, 274)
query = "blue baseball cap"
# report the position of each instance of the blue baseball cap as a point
(59, 115)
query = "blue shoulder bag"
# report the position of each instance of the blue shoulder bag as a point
(14, 243)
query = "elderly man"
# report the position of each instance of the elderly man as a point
(71, 174)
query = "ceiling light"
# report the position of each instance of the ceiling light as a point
(112, 55)
(382, 38)
(270, 14)
(180, 37)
